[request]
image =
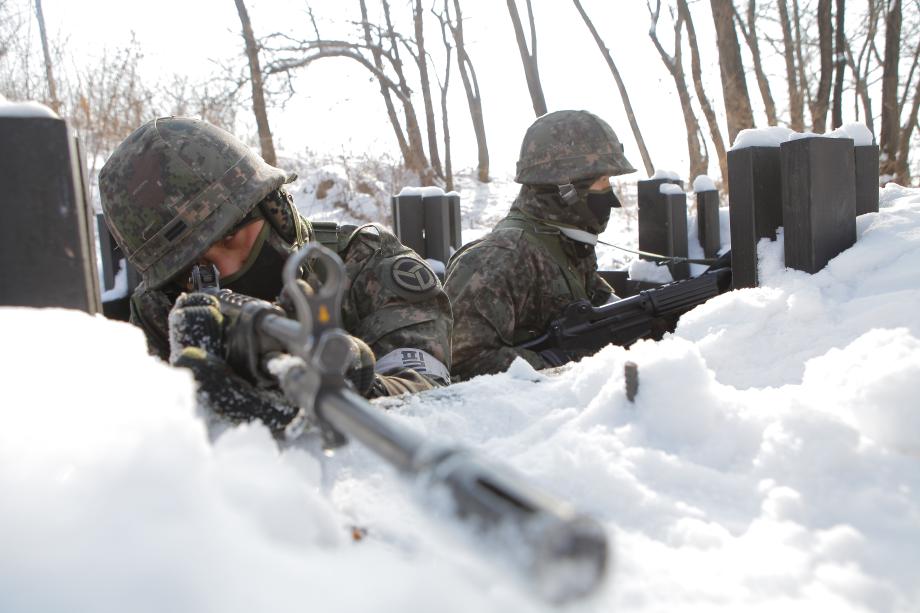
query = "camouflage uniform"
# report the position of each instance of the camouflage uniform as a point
(507, 287)
(168, 195)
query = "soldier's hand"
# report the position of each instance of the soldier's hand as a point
(196, 341)
(196, 324)
(361, 369)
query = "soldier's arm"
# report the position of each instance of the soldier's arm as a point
(398, 307)
(488, 289)
(149, 311)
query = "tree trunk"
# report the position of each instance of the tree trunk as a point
(384, 89)
(825, 46)
(888, 143)
(529, 57)
(763, 83)
(418, 161)
(473, 97)
(796, 108)
(49, 73)
(715, 133)
(804, 85)
(907, 130)
(699, 162)
(422, 60)
(258, 92)
(640, 142)
(841, 63)
(734, 87)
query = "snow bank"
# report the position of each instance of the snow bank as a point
(770, 462)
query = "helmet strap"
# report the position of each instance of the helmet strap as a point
(568, 193)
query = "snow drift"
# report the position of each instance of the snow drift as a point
(770, 461)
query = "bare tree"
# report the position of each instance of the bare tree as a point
(379, 54)
(258, 91)
(840, 63)
(715, 133)
(907, 130)
(749, 32)
(860, 65)
(443, 85)
(734, 86)
(821, 101)
(888, 141)
(529, 56)
(49, 72)
(699, 160)
(471, 86)
(631, 116)
(421, 60)
(107, 100)
(794, 88)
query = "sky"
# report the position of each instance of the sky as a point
(337, 107)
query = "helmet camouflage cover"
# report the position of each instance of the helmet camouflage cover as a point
(567, 146)
(174, 187)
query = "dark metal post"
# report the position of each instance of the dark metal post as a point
(819, 200)
(409, 222)
(436, 213)
(866, 157)
(663, 223)
(755, 209)
(46, 243)
(707, 222)
(456, 233)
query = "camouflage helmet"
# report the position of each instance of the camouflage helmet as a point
(174, 187)
(567, 146)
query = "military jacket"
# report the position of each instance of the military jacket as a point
(506, 289)
(394, 303)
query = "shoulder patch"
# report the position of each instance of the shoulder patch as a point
(413, 275)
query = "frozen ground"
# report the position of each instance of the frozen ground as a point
(770, 462)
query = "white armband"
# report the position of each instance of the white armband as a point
(414, 359)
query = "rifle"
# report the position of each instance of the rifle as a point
(565, 553)
(583, 328)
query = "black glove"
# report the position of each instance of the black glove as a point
(557, 357)
(196, 342)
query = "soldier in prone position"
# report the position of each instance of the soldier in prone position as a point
(179, 192)
(506, 288)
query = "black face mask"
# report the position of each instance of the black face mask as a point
(259, 277)
(600, 202)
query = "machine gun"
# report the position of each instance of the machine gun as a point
(585, 329)
(565, 553)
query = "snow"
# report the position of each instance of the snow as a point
(703, 183)
(770, 461)
(25, 109)
(424, 192)
(773, 136)
(120, 288)
(665, 174)
(437, 266)
(670, 188)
